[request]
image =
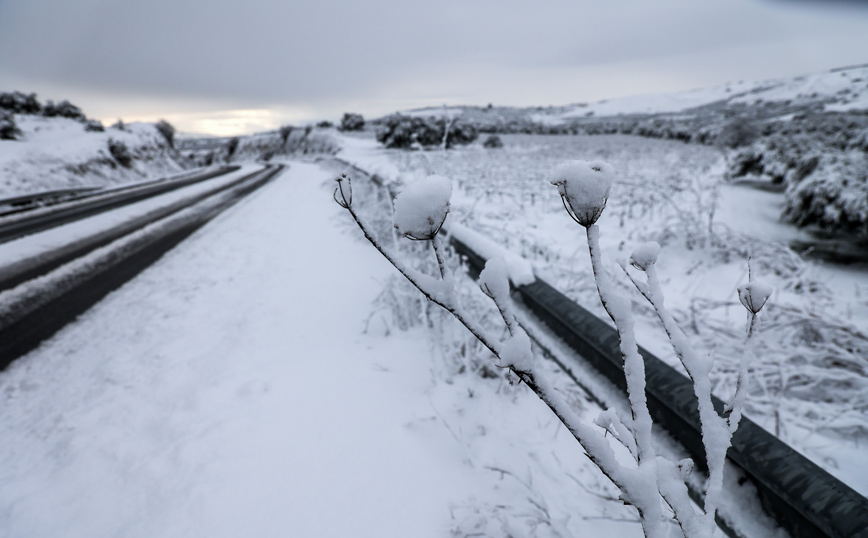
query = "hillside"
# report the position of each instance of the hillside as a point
(46, 150)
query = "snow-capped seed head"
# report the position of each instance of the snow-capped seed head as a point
(645, 255)
(754, 295)
(584, 187)
(343, 194)
(422, 206)
(685, 468)
(494, 279)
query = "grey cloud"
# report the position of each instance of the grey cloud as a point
(267, 52)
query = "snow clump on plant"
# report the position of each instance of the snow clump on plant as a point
(754, 295)
(422, 206)
(645, 255)
(584, 187)
(494, 279)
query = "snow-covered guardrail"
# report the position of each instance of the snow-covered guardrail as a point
(803, 498)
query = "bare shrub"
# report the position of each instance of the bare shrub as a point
(20, 103)
(352, 122)
(94, 126)
(285, 131)
(8, 128)
(493, 142)
(168, 131)
(120, 152)
(63, 109)
(231, 147)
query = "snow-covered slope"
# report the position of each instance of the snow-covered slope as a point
(57, 152)
(834, 90)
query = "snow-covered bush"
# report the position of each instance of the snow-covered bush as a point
(231, 147)
(119, 125)
(405, 132)
(834, 195)
(352, 122)
(120, 152)
(493, 142)
(63, 109)
(167, 130)
(285, 131)
(8, 128)
(20, 103)
(94, 126)
(648, 482)
(738, 132)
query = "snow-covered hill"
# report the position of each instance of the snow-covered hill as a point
(59, 152)
(840, 89)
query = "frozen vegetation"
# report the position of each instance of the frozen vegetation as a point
(810, 374)
(646, 481)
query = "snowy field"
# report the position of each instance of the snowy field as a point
(810, 384)
(272, 376)
(239, 387)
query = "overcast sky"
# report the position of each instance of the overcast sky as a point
(227, 67)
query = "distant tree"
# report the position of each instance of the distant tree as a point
(325, 124)
(352, 122)
(165, 128)
(119, 125)
(8, 128)
(208, 159)
(460, 133)
(405, 132)
(120, 152)
(63, 109)
(285, 131)
(94, 126)
(231, 147)
(20, 103)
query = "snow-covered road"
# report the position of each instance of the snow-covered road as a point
(229, 391)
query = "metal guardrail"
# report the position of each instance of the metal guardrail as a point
(805, 499)
(801, 496)
(40, 197)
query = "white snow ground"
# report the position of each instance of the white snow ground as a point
(229, 391)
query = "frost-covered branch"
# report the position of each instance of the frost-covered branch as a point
(651, 481)
(419, 214)
(717, 430)
(584, 188)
